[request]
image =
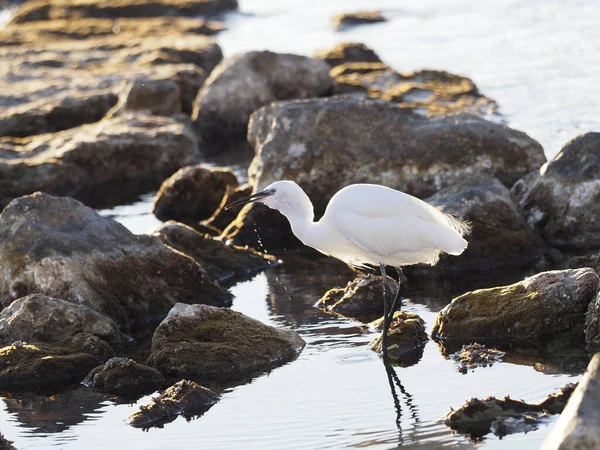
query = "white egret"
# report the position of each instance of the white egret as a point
(369, 225)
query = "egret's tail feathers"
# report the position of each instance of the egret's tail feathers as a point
(462, 226)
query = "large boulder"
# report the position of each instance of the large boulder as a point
(61, 248)
(241, 84)
(540, 307)
(578, 427)
(221, 261)
(37, 318)
(32, 366)
(65, 9)
(326, 144)
(499, 236)
(71, 161)
(193, 193)
(123, 376)
(562, 200)
(219, 344)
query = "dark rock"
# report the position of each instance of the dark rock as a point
(66, 9)
(562, 201)
(327, 144)
(123, 376)
(406, 339)
(184, 398)
(5, 444)
(243, 83)
(478, 417)
(539, 307)
(222, 217)
(151, 97)
(60, 248)
(348, 52)
(592, 324)
(499, 236)
(581, 261)
(219, 344)
(362, 298)
(220, 261)
(429, 92)
(578, 427)
(348, 20)
(32, 366)
(37, 318)
(193, 193)
(68, 162)
(472, 356)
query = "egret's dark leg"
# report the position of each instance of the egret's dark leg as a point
(397, 303)
(386, 318)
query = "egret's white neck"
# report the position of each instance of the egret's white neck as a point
(300, 218)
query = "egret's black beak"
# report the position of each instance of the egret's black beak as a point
(249, 199)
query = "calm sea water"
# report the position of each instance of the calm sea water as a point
(540, 61)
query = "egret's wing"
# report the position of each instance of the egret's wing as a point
(387, 235)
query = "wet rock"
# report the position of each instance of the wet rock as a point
(219, 344)
(63, 249)
(222, 217)
(26, 366)
(478, 417)
(562, 201)
(499, 236)
(80, 29)
(184, 398)
(578, 427)
(220, 261)
(406, 338)
(348, 20)
(429, 92)
(65, 9)
(362, 298)
(37, 318)
(5, 444)
(114, 150)
(243, 83)
(331, 145)
(348, 52)
(123, 376)
(193, 193)
(471, 356)
(539, 307)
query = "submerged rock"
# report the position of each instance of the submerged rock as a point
(499, 236)
(578, 427)
(348, 52)
(63, 249)
(26, 366)
(349, 20)
(219, 344)
(362, 298)
(243, 83)
(184, 398)
(193, 193)
(114, 150)
(539, 307)
(476, 355)
(37, 318)
(406, 338)
(220, 261)
(562, 201)
(123, 376)
(478, 417)
(65, 9)
(415, 154)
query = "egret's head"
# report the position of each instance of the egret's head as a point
(284, 196)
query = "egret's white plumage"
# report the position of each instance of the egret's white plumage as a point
(367, 224)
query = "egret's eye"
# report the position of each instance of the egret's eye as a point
(272, 191)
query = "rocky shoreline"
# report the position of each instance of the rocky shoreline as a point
(90, 97)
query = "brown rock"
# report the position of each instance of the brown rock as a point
(406, 338)
(123, 376)
(222, 217)
(348, 52)
(348, 20)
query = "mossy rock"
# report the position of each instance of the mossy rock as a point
(123, 376)
(218, 344)
(184, 398)
(30, 366)
(539, 307)
(406, 338)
